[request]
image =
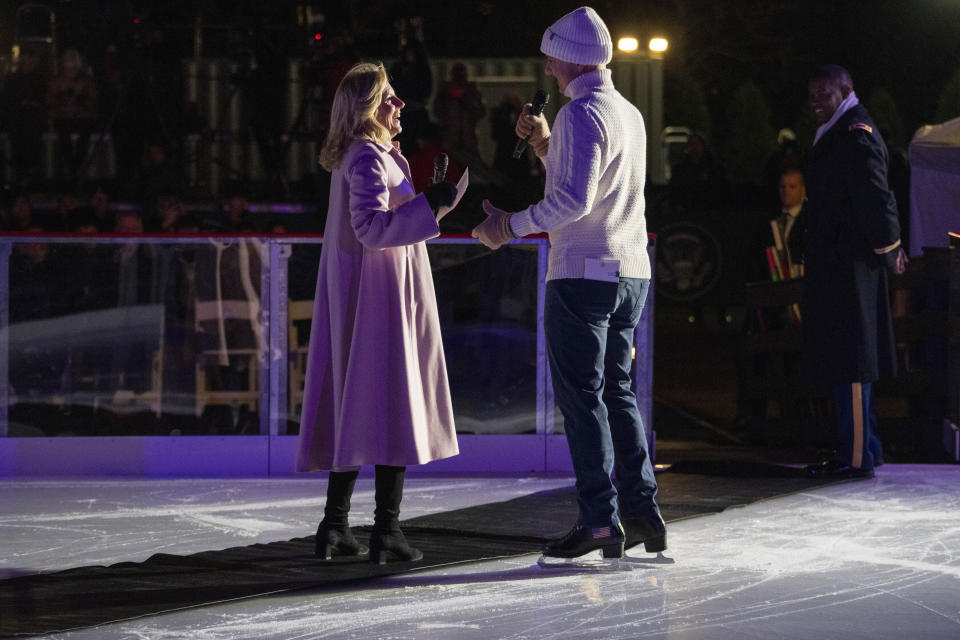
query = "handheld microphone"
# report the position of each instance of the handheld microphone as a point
(440, 168)
(539, 100)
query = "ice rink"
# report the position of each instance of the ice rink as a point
(871, 559)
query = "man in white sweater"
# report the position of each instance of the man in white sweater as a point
(597, 283)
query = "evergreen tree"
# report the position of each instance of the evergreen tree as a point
(948, 105)
(751, 137)
(806, 128)
(685, 104)
(883, 109)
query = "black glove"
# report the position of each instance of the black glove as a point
(440, 194)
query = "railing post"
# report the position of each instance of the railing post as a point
(4, 336)
(278, 346)
(544, 384)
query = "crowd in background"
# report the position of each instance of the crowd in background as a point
(134, 100)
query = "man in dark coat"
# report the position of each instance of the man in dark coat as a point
(852, 237)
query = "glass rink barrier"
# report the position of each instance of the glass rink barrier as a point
(186, 355)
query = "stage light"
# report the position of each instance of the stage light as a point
(628, 44)
(658, 44)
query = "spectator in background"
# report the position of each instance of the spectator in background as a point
(33, 275)
(239, 219)
(188, 223)
(128, 221)
(133, 266)
(787, 228)
(412, 78)
(787, 156)
(175, 283)
(143, 82)
(777, 249)
(6, 202)
(20, 217)
(133, 261)
(459, 107)
(82, 266)
(262, 78)
(82, 220)
(67, 201)
(87, 268)
(522, 177)
(103, 214)
(24, 117)
(72, 100)
(422, 163)
(503, 120)
(695, 180)
(165, 216)
(331, 58)
(160, 177)
(34, 295)
(766, 250)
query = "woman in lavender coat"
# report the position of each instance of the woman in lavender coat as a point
(376, 387)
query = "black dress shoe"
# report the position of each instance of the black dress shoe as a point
(582, 540)
(337, 541)
(648, 529)
(837, 469)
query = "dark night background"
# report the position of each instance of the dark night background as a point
(734, 71)
(910, 49)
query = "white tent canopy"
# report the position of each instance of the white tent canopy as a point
(934, 185)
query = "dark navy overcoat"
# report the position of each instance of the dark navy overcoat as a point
(851, 215)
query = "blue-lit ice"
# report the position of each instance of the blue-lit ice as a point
(868, 559)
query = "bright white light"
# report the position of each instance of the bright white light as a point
(628, 44)
(658, 44)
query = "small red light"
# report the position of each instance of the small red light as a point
(317, 36)
(136, 21)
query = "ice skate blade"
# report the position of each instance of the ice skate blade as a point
(650, 559)
(589, 562)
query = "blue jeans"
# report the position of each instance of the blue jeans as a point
(589, 326)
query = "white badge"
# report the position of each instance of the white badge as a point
(600, 269)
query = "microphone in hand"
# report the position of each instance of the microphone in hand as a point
(539, 101)
(440, 163)
(440, 194)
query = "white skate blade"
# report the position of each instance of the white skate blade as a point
(649, 559)
(589, 561)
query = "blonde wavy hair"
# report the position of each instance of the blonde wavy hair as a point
(354, 113)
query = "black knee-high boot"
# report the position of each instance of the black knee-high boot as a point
(334, 537)
(386, 539)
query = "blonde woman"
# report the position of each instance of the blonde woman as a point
(376, 387)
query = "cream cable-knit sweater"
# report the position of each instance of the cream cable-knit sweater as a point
(593, 205)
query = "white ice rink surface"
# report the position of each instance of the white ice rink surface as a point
(868, 559)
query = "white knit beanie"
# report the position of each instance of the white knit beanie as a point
(580, 37)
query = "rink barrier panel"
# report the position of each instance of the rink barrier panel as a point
(251, 456)
(271, 452)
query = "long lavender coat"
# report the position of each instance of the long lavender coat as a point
(376, 387)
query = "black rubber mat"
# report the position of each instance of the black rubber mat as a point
(90, 596)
